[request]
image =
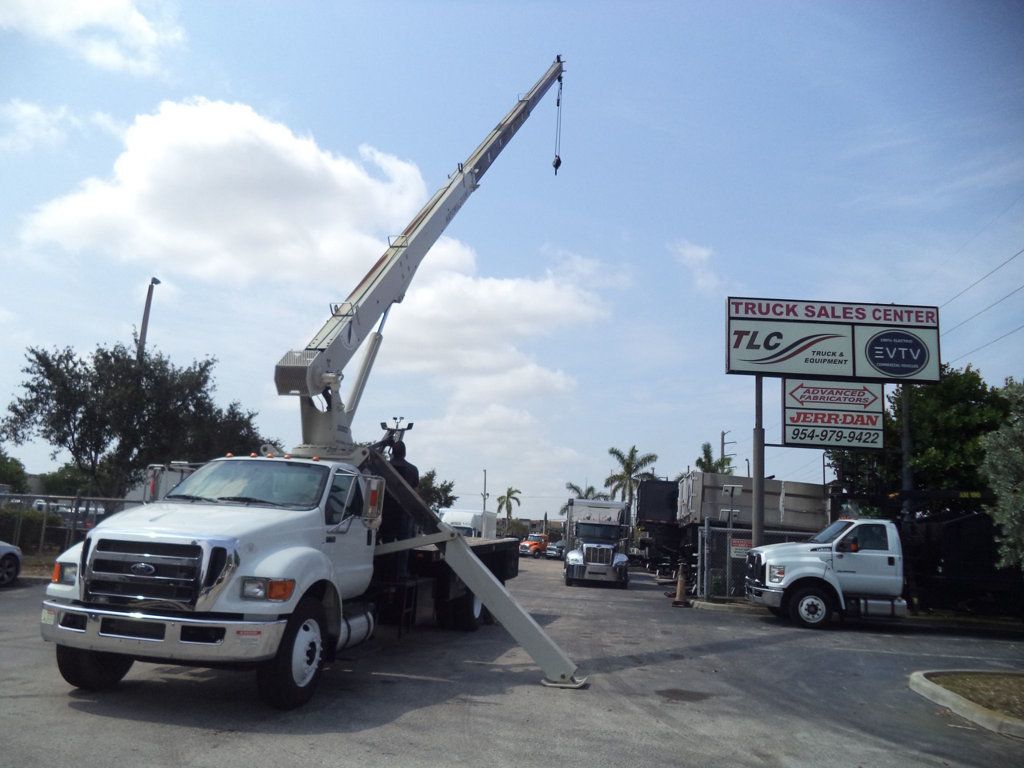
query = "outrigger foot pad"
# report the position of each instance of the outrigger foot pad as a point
(572, 682)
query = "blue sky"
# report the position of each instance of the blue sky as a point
(255, 157)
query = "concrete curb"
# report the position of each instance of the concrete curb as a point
(967, 709)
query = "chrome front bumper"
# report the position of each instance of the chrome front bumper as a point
(596, 572)
(769, 597)
(146, 635)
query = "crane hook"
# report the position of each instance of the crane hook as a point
(556, 164)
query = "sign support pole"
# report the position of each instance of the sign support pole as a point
(757, 515)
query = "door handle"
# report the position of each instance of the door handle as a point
(892, 560)
(331, 539)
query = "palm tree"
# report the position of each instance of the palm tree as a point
(505, 505)
(707, 462)
(579, 492)
(632, 469)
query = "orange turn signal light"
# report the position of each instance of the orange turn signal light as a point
(280, 589)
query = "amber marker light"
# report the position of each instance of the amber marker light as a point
(280, 589)
(55, 574)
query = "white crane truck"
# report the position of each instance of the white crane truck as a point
(275, 562)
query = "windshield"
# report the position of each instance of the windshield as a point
(535, 537)
(597, 532)
(266, 482)
(831, 533)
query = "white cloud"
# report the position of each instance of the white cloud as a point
(211, 189)
(28, 125)
(697, 259)
(110, 34)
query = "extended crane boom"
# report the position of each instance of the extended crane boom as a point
(317, 369)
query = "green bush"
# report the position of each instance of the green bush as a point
(27, 535)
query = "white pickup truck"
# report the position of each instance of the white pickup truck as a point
(851, 567)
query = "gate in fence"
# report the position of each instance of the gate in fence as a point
(721, 557)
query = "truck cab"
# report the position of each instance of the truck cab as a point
(597, 538)
(850, 567)
(534, 545)
(213, 572)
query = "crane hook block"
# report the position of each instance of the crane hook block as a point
(556, 164)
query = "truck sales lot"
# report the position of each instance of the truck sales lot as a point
(668, 686)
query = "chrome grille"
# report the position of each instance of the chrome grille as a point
(597, 555)
(123, 572)
(755, 569)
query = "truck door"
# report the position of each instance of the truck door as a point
(867, 563)
(348, 541)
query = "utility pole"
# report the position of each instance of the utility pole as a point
(721, 451)
(145, 319)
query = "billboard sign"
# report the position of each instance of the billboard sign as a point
(832, 414)
(832, 340)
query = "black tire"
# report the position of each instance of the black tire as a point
(624, 584)
(536, 554)
(776, 612)
(289, 679)
(92, 670)
(810, 608)
(468, 612)
(10, 567)
(568, 581)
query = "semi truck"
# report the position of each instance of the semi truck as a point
(596, 540)
(275, 561)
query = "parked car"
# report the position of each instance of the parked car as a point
(10, 563)
(556, 551)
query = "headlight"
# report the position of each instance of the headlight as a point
(64, 573)
(277, 590)
(776, 573)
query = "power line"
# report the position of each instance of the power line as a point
(986, 309)
(972, 237)
(989, 344)
(992, 272)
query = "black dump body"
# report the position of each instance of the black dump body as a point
(419, 580)
(661, 537)
(952, 562)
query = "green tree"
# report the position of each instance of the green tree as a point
(707, 462)
(947, 422)
(505, 502)
(1003, 467)
(436, 493)
(631, 470)
(579, 492)
(114, 416)
(67, 480)
(12, 473)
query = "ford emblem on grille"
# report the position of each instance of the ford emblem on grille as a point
(142, 569)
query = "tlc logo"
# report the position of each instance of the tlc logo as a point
(771, 341)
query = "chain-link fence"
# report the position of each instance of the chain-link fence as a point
(40, 524)
(721, 558)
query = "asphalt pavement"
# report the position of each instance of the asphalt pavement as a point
(668, 686)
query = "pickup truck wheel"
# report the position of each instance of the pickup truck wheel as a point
(536, 554)
(289, 679)
(91, 670)
(468, 612)
(811, 608)
(568, 581)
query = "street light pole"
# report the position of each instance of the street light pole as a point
(145, 319)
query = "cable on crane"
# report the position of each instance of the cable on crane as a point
(557, 162)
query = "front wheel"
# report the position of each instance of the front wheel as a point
(91, 670)
(289, 679)
(810, 608)
(536, 554)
